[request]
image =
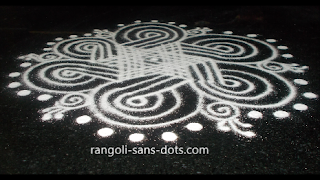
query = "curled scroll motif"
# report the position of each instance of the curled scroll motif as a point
(282, 67)
(148, 35)
(86, 48)
(152, 102)
(68, 76)
(229, 48)
(66, 103)
(228, 118)
(242, 85)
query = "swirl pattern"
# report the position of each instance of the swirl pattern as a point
(148, 35)
(241, 85)
(68, 76)
(152, 102)
(221, 111)
(74, 100)
(229, 48)
(86, 48)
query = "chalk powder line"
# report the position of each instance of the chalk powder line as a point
(151, 75)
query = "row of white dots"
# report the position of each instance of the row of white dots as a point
(17, 74)
(136, 137)
(281, 47)
(71, 36)
(309, 95)
(89, 34)
(167, 136)
(154, 21)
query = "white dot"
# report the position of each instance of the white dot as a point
(14, 74)
(227, 32)
(58, 116)
(47, 49)
(251, 35)
(194, 126)
(154, 21)
(46, 117)
(310, 95)
(136, 137)
(87, 34)
(249, 134)
(14, 85)
(169, 136)
(105, 132)
(73, 36)
(300, 81)
(281, 114)
(171, 22)
(300, 107)
(282, 47)
(120, 25)
(255, 114)
(26, 64)
(50, 43)
(287, 55)
(137, 21)
(182, 25)
(59, 39)
(44, 97)
(24, 92)
(271, 40)
(83, 119)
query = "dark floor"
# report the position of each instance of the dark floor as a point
(30, 146)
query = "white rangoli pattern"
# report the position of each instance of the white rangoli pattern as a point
(151, 75)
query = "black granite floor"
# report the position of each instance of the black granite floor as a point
(30, 146)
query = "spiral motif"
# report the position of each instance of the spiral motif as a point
(221, 111)
(273, 66)
(68, 76)
(49, 56)
(86, 48)
(242, 85)
(229, 48)
(152, 102)
(148, 35)
(74, 100)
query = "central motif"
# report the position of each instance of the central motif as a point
(151, 75)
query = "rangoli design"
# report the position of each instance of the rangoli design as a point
(152, 75)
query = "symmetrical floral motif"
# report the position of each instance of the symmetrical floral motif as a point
(151, 74)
